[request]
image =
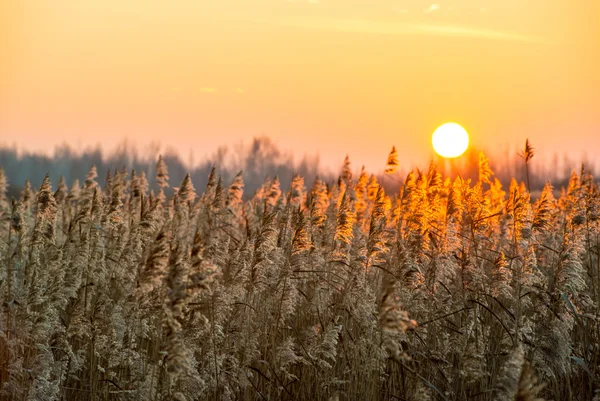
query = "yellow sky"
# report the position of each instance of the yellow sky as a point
(327, 76)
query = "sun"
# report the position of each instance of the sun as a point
(450, 140)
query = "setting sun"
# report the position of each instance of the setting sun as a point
(450, 140)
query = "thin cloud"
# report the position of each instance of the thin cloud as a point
(208, 90)
(476, 33)
(400, 28)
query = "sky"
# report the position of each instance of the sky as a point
(333, 77)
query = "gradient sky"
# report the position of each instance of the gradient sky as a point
(327, 76)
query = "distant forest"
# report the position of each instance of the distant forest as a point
(259, 160)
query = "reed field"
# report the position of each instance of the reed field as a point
(133, 287)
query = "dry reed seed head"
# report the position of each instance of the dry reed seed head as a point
(202, 270)
(155, 267)
(108, 182)
(345, 221)
(96, 209)
(372, 187)
(297, 190)
(325, 350)
(574, 185)
(201, 276)
(501, 278)
(3, 182)
(135, 188)
(361, 195)
(523, 189)
(274, 192)
(318, 204)
(117, 193)
(454, 206)
(410, 185)
(392, 162)
(267, 237)
(422, 180)
(142, 184)
(217, 202)
(593, 204)
(261, 192)
(433, 178)
(485, 172)
(45, 201)
(186, 193)
(162, 173)
(198, 247)
(62, 191)
(235, 192)
(90, 187)
(46, 212)
(175, 280)
(337, 192)
(528, 152)
(301, 240)
(212, 179)
(26, 194)
(90, 178)
(319, 190)
(17, 221)
(571, 274)
(544, 209)
(447, 183)
(522, 215)
(347, 171)
(381, 206)
(362, 183)
(133, 177)
(4, 206)
(74, 191)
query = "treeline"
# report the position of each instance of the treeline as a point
(259, 160)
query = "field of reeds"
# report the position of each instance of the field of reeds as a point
(448, 289)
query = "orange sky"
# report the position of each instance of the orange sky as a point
(327, 76)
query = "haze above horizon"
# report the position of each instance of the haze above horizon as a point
(333, 77)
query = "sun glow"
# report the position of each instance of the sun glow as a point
(450, 140)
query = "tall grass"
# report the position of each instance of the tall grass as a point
(452, 290)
